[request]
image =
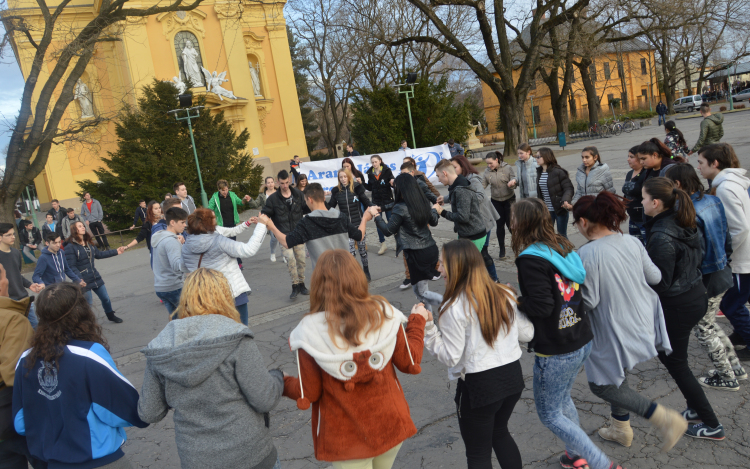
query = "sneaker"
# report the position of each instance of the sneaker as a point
(717, 382)
(736, 339)
(383, 248)
(743, 354)
(284, 260)
(739, 375)
(576, 462)
(405, 284)
(691, 416)
(241, 268)
(273, 257)
(701, 430)
(719, 314)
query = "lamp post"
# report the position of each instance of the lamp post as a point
(729, 86)
(411, 78)
(186, 100)
(533, 120)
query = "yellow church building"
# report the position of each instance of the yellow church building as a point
(246, 41)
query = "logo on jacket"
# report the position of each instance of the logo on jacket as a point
(47, 376)
(567, 288)
(568, 318)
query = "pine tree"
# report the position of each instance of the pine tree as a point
(299, 64)
(154, 152)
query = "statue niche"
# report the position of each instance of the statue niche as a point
(189, 58)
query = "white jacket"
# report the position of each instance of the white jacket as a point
(460, 345)
(731, 186)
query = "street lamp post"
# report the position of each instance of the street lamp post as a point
(410, 79)
(186, 100)
(729, 86)
(533, 119)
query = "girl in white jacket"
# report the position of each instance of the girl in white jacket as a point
(480, 328)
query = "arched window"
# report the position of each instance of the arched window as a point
(187, 49)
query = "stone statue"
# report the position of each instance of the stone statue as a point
(213, 84)
(181, 86)
(190, 63)
(83, 96)
(255, 75)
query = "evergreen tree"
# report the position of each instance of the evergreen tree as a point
(381, 119)
(154, 152)
(299, 64)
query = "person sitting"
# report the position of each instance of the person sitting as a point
(30, 239)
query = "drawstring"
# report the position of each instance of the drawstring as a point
(299, 373)
(406, 339)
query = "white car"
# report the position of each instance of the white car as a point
(743, 95)
(688, 103)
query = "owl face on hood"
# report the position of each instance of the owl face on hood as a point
(363, 368)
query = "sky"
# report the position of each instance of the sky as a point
(10, 101)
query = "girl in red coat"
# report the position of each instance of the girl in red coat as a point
(347, 348)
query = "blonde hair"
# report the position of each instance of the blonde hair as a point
(206, 291)
(351, 179)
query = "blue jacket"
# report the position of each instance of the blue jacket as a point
(52, 268)
(83, 265)
(74, 412)
(717, 242)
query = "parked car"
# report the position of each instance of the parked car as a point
(743, 95)
(688, 103)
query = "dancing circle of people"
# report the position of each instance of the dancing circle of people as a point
(617, 301)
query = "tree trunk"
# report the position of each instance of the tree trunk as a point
(592, 99)
(513, 119)
(668, 87)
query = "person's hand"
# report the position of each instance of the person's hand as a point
(252, 221)
(367, 216)
(4, 283)
(440, 200)
(374, 210)
(32, 246)
(87, 223)
(438, 208)
(181, 239)
(391, 182)
(359, 180)
(82, 283)
(247, 198)
(512, 183)
(132, 227)
(120, 250)
(567, 206)
(36, 287)
(420, 310)
(327, 192)
(263, 218)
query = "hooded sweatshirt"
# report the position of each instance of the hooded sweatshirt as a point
(359, 408)
(52, 268)
(466, 210)
(16, 333)
(551, 298)
(712, 131)
(210, 371)
(167, 261)
(322, 230)
(731, 187)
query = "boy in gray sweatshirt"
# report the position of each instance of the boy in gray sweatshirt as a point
(167, 258)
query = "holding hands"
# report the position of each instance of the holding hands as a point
(247, 198)
(121, 249)
(438, 208)
(567, 206)
(36, 287)
(440, 200)
(373, 210)
(422, 311)
(181, 239)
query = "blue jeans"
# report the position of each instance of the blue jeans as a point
(637, 230)
(387, 216)
(33, 319)
(733, 305)
(553, 380)
(662, 119)
(491, 267)
(562, 223)
(101, 292)
(171, 300)
(242, 309)
(277, 465)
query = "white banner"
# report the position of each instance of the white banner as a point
(326, 172)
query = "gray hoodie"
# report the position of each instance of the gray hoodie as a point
(731, 186)
(210, 371)
(167, 261)
(489, 214)
(96, 213)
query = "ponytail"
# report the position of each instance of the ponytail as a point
(656, 146)
(671, 197)
(604, 209)
(672, 127)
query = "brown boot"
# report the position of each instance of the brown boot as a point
(670, 424)
(618, 431)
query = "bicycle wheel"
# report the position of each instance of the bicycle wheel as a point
(616, 128)
(603, 130)
(628, 125)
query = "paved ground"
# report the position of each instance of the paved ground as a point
(430, 395)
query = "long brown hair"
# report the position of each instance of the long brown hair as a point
(75, 237)
(339, 287)
(64, 315)
(671, 197)
(201, 221)
(150, 217)
(206, 291)
(467, 276)
(532, 224)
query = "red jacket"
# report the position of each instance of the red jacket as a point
(367, 414)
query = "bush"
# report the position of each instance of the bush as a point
(640, 114)
(723, 108)
(579, 125)
(741, 106)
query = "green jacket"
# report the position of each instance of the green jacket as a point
(215, 205)
(711, 131)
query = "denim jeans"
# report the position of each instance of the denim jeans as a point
(637, 230)
(553, 380)
(274, 242)
(101, 292)
(733, 305)
(662, 119)
(33, 319)
(562, 222)
(277, 465)
(387, 216)
(171, 300)
(242, 309)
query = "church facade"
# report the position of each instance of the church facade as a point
(235, 53)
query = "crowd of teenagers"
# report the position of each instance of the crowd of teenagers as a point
(618, 301)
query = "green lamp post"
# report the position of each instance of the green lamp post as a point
(411, 78)
(186, 101)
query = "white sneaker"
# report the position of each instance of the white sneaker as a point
(273, 257)
(383, 248)
(285, 262)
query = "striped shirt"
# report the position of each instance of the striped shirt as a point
(545, 191)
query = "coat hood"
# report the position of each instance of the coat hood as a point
(731, 175)
(161, 236)
(324, 218)
(717, 118)
(570, 266)
(201, 243)
(596, 169)
(187, 351)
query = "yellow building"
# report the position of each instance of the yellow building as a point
(635, 73)
(245, 39)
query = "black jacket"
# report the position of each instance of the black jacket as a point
(59, 215)
(661, 108)
(466, 210)
(632, 190)
(145, 233)
(35, 237)
(382, 194)
(140, 214)
(348, 203)
(677, 252)
(542, 300)
(559, 186)
(284, 216)
(411, 236)
(81, 263)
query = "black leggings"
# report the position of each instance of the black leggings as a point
(486, 428)
(503, 209)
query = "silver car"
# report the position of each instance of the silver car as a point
(743, 95)
(688, 103)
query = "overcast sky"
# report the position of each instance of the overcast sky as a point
(10, 102)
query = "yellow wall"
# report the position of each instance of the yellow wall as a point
(635, 82)
(229, 35)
